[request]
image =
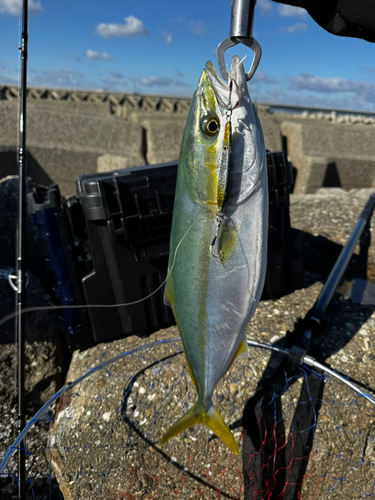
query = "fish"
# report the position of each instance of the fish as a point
(218, 243)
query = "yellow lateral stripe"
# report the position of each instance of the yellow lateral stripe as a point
(208, 95)
(211, 175)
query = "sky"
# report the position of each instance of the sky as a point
(160, 47)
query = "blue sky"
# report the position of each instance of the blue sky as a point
(160, 47)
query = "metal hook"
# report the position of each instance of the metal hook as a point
(13, 279)
(231, 42)
(241, 31)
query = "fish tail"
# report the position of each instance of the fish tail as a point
(212, 419)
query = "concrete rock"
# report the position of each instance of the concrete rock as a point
(330, 155)
(71, 131)
(271, 129)
(331, 192)
(107, 163)
(79, 108)
(333, 217)
(67, 138)
(67, 144)
(163, 135)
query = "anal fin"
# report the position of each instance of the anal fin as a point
(242, 351)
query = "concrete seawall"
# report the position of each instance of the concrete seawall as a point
(70, 133)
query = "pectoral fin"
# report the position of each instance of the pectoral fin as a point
(197, 415)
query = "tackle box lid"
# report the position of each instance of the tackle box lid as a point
(103, 195)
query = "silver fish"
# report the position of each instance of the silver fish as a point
(218, 246)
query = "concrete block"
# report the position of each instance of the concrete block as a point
(81, 108)
(64, 165)
(330, 155)
(66, 130)
(107, 163)
(331, 192)
(271, 129)
(9, 166)
(163, 135)
(67, 144)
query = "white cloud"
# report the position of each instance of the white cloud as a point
(75, 58)
(260, 77)
(309, 90)
(167, 36)
(57, 78)
(9, 79)
(114, 81)
(296, 28)
(13, 7)
(289, 11)
(97, 56)
(366, 68)
(116, 75)
(161, 81)
(132, 26)
(321, 100)
(362, 92)
(198, 28)
(265, 6)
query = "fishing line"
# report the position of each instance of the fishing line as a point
(242, 60)
(92, 306)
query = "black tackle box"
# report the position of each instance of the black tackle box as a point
(114, 238)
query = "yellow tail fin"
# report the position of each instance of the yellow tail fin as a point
(197, 415)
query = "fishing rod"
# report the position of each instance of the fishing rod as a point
(316, 316)
(17, 281)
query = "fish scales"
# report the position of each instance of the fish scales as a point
(213, 294)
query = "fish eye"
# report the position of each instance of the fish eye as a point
(210, 125)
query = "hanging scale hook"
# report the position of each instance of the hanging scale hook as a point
(241, 29)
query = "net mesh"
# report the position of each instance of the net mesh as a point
(301, 434)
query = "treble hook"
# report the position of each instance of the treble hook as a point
(241, 29)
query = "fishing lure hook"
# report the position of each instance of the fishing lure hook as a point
(241, 29)
(223, 174)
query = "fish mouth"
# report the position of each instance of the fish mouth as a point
(221, 89)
